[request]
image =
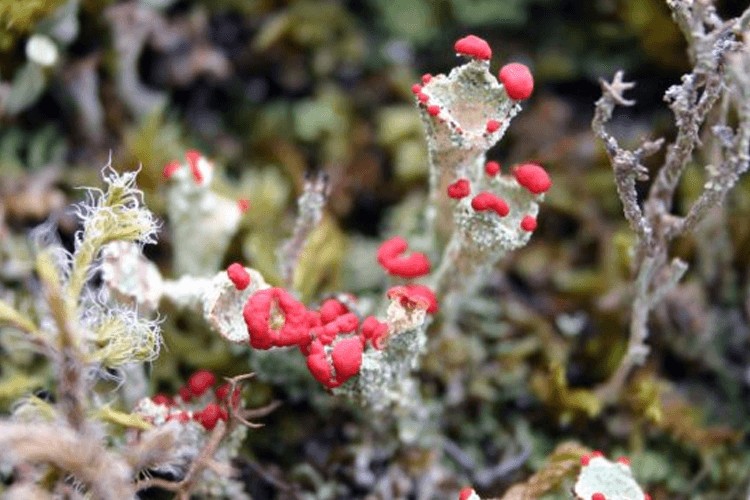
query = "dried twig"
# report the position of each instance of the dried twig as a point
(198, 465)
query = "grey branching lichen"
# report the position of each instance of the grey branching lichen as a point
(720, 79)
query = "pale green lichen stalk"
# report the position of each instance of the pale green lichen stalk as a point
(458, 138)
(203, 221)
(605, 480)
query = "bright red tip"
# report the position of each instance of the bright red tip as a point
(533, 177)
(487, 201)
(375, 331)
(243, 205)
(347, 358)
(459, 189)
(185, 394)
(473, 46)
(493, 126)
(528, 223)
(517, 80)
(413, 266)
(200, 381)
(208, 416)
(192, 157)
(465, 493)
(412, 296)
(426, 293)
(426, 78)
(170, 169)
(391, 249)
(238, 275)
(433, 110)
(492, 168)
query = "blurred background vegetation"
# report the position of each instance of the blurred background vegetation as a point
(270, 90)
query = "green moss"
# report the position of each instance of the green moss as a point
(18, 18)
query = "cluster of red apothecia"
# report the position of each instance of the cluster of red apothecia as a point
(519, 85)
(531, 176)
(331, 338)
(516, 77)
(197, 386)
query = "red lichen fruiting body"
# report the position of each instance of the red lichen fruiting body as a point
(243, 205)
(426, 293)
(492, 168)
(459, 189)
(185, 394)
(327, 333)
(517, 80)
(208, 416)
(257, 315)
(347, 358)
(646, 496)
(598, 496)
(295, 330)
(597, 454)
(332, 309)
(585, 459)
(222, 394)
(465, 493)
(192, 157)
(423, 98)
(624, 460)
(528, 223)
(390, 249)
(223, 415)
(200, 381)
(414, 296)
(347, 323)
(162, 399)
(473, 46)
(313, 318)
(426, 78)
(238, 276)
(487, 201)
(318, 365)
(413, 266)
(533, 177)
(493, 126)
(375, 331)
(170, 168)
(416, 88)
(433, 110)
